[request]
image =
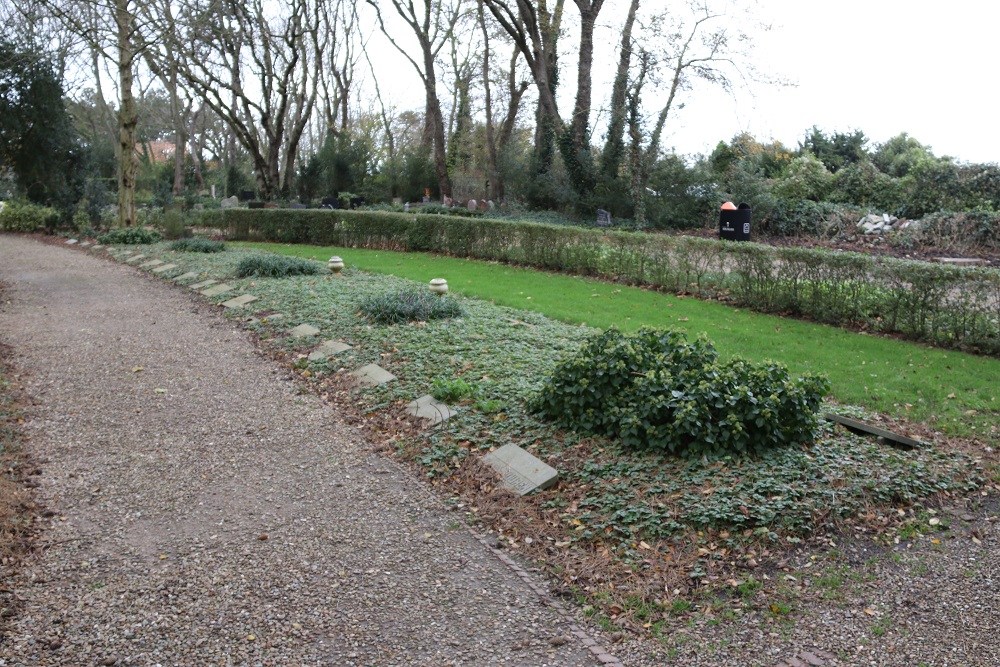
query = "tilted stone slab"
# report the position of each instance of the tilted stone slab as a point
(372, 375)
(135, 259)
(190, 275)
(218, 290)
(429, 408)
(97, 246)
(239, 301)
(70, 241)
(164, 268)
(303, 331)
(151, 263)
(328, 349)
(203, 284)
(961, 261)
(522, 473)
(85, 244)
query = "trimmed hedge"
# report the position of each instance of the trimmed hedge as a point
(942, 305)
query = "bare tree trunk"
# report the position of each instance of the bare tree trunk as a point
(614, 146)
(493, 186)
(128, 117)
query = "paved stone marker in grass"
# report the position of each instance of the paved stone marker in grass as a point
(97, 246)
(328, 349)
(186, 276)
(151, 263)
(70, 241)
(203, 284)
(165, 267)
(522, 473)
(85, 244)
(135, 258)
(961, 261)
(372, 375)
(239, 301)
(429, 408)
(303, 331)
(218, 290)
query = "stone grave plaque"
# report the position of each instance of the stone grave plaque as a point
(328, 349)
(218, 290)
(239, 301)
(186, 276)
(97, 246)
(303, 331)
(70, 241)
(151, 263)
(522, 473)
(961, 261)
(135, 259)
(427, 407)
(372, 375)
(85, 244)
(203, 284)
(164, 268)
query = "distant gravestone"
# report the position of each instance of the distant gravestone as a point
(303, 331)
(218, 290)
(330, 202)
(522, 473)
(203, 284)
(472, 205)
(603, 218)
(246, 195)
(239, 301)
(328, 349)
(230, 202)
(164, 268)
(151, 263)
(186, 276)
(373, 375)
(427, 407)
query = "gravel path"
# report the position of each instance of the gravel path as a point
(208, 514)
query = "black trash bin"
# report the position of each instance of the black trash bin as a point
(734, 224)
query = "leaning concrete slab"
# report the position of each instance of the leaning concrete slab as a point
(522, 473)
(218, 290)
(329, 348)
(303, 331)
(372, 375)
(239, 301)
(427, 407)
(164, 268)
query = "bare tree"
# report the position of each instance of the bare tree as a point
(432, 23)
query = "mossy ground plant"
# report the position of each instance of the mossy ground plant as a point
(129, 236)
(276, 266)
(197, 244)
(409, 305)
(611, 499)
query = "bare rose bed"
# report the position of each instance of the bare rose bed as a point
(209, 513)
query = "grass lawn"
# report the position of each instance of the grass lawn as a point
(956, 392)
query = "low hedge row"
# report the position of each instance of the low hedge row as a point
(942, 305)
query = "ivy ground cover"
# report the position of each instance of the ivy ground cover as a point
(955, 392)
(638, 537)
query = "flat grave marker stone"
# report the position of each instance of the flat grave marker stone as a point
(186, 276)
(85, 244)
(372, 375)
(203, 284)
(218, 290)
(97, 246)
(164, 268)
(329, 348)
(134, 259)
(522, 473)
(429, 408)
(70, 241)
(303, 331)
(239, 301)
(151, 263)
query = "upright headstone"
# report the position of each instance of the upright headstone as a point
(472, 205)
(603, 218)
(230, 202)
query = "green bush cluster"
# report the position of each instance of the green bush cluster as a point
(276, 266)
(19, 216)
(409, 306)
(454, 390)
(942, 305)
(656, 390)
(197, 245)
(129, 236)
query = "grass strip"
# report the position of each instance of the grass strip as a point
(952, 391)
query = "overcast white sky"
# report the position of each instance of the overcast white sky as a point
(881, 66)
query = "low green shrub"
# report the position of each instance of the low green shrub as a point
(452, 390)
(129, 236)
(874, 293)
(409, 306)
(173, 224)
(197, 245)
(656, 390)
(276, 266)
(18, 216)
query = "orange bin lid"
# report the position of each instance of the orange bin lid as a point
(729, 206)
